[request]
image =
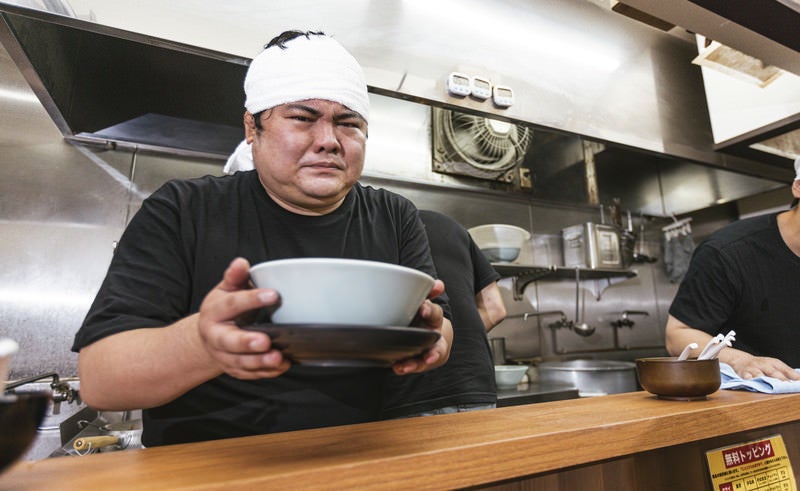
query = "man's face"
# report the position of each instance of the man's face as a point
(308, 154)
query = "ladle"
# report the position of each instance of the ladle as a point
(582, 328)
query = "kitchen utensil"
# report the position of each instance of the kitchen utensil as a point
(499, 242)
(715, 350)
(357, 346)
(591, 377)
(343, 291)
(20, 416)
(580, 327)
(717, 344)
(122, 434)
(716, 339)
(688, 349)
(507, 376)
(593, 246)
(685, 380)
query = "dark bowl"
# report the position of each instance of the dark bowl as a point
(670, 378)
(20, 416)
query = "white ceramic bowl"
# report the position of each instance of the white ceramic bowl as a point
(499, 242)
(506, 376)
(343, 291)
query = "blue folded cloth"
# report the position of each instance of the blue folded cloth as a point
(768, 385)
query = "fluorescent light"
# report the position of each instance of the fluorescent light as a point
(18, 95)
(501, 28)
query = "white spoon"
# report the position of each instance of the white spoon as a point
(716, 339)
(685, 353)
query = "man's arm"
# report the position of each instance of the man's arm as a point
(145, 368)
(679, 335)
(490, 305)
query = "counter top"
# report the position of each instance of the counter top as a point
(434, 452)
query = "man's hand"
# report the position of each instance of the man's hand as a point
(430, 316)
(748, 366)
(239, 353)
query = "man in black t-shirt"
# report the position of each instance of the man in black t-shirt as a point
(746, 278)
(466, 381)
(162, 336)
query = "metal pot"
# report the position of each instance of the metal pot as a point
(591, 377)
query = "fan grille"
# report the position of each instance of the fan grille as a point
(485, 143)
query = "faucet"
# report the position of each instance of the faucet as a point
(62, 392)
(624, 321)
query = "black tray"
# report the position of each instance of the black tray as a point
(347, 346)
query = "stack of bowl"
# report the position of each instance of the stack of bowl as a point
(500, 243)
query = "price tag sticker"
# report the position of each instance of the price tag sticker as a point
(760, 465)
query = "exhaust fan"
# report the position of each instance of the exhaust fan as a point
(476, 146)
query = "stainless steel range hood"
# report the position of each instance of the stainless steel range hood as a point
(126, 89)
(767, 30)
(112, 86)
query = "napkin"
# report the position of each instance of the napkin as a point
(768, 385)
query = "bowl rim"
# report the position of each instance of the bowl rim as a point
(674, 359)
(362, 263)
(510, 368)
(477, 228)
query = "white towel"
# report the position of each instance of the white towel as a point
(768, 385)
(241, 159)
(314, 67)
(797, 168)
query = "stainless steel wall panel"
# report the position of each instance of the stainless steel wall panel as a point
(50, 272)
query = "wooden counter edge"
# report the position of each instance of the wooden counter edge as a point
(449, 451)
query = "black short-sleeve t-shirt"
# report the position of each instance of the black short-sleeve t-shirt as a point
(745, 278)
(468, 376)
(175, 251)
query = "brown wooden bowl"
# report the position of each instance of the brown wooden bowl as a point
(670, 378)
(20, 416)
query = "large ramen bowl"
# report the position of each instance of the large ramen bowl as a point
(343, 291)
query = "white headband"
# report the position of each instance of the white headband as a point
(313, 67)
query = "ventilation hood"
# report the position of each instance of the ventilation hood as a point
(120, 87)
(125, 89)
(764, 30)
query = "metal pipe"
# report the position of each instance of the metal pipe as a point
(35, 378)
(525, 315)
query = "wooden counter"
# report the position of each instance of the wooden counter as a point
(617, 442)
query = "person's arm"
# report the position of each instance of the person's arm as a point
(144, 368)
(679, 335)
(490, 305)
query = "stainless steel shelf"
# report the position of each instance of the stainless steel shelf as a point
(523, 274)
